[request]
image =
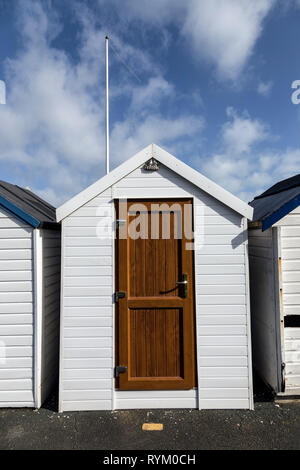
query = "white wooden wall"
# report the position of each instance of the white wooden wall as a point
(87, 310)
(16, 313)
(290, 253)
(265, 309)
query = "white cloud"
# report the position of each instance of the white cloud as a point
(265, 88)
(240, 166)
(225, 31)
(222, 32)
(52, 127)
(240, 133)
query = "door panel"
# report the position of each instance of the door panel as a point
(155, 318)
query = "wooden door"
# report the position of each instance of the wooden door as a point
(155, 318)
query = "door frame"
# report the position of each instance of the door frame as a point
(115, 202)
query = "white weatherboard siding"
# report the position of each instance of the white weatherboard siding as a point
(16, 313)
(51, 241)
(265, 318)
(87, 309)
(290, 254)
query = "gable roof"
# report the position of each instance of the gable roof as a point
(278, 201)
(26, 206)
(169, 161)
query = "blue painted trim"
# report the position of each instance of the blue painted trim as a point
(280, 213)
(18, 213)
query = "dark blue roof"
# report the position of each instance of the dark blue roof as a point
(26, 206)
(278, 201)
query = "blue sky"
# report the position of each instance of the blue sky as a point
(208, 81)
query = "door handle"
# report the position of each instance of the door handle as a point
(184, 283)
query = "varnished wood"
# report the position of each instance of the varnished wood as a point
(156, 328)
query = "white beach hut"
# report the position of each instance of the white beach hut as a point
(154, 321)
(274, 252)
(29, 297)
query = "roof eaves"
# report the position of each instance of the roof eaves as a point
(18, 213)
(284, 210)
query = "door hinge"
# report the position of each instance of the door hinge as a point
(120, 370)
(119, 295)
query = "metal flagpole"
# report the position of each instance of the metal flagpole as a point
(107, 109)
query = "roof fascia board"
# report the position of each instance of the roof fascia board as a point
(280, 213)
(101, 185)
(203, 183)
(168, 160)
(18, 213)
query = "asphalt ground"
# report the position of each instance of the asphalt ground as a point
(273, 425)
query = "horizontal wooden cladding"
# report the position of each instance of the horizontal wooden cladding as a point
(88, 271)
(291, 265)
(15, 286)
(17, 384)
(17, 244)
(87, 261)
(224, 393)
(79, 332)
(224, 350)
(16, 398)
(223, 299)
(12, 374)
(87, 405)
(291, 253)
(97, 373)
(89, 342)
(87, 321)
(88, 363)
(16, 319)
(224, 371)
(88, 301)
(216, 280)
(222, 289)
(70, 395)
(95, 241)
(223, 382)
(90, 222)
(224, 403)
(86, 251)
(230, 340)
(101, 311)
(15, 265)
(11, 339)
(222, 330)
(87, 352)
(291, 299)
(227, 259)
(291, 219)
(223, 270)
(88, 281)
(220, 320)
(222, 361)
(90, 384)
(291, 276)
(20, 254)
(290, 242)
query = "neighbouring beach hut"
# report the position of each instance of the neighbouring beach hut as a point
(29, 297)
(274, 253)
(151, 320)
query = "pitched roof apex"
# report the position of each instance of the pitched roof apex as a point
(154, 151)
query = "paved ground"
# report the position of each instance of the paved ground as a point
(270, 426)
